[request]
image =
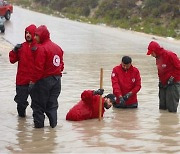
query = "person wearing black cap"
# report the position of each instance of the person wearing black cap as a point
(88, 106)
(168, 66)
(126, 82)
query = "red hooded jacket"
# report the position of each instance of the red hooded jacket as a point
(126, 81)
(86, 108)
(24, 57)
(48, 56)
(167, 62)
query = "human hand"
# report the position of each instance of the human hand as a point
(160, 85)
(170, 81)
(98, 92)
(121, 101)
(126, 97)
(31, 85)
(17, 46)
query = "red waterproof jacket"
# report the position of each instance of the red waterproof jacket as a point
(48, 56)
(24, 57)
(167, 62)
(126, 81)
(86, 108)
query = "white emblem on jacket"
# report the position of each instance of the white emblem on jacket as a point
(56, 60)
(113, 74)
(133, 79)
(163, 65)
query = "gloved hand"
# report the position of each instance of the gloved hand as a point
(160, 85)
(31, 85)
(170, 81)
(98, 92)
(121, 101)
(126, 97)
(18, 46)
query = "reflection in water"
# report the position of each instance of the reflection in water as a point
(168, 132)
(113, 134)
(121, 130)
(142, 130)
(30, 140)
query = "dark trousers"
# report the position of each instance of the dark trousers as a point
(21, 97)
(44, 100)
(169, 97)
(135, 105)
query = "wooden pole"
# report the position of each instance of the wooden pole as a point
(101, 86)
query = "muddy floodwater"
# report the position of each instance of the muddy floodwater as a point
(142, 130)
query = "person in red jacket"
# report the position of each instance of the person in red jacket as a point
(126, 82)
(88, 106)
(23, 54)
(168, 66)
(45, 84)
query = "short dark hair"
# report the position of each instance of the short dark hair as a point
(126, 60)
(111, 97)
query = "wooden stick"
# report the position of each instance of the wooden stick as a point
(101, 86)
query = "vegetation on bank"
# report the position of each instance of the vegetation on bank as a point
(158, 17)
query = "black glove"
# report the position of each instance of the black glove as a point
(18, 46)
(121, 101)
(126, 97)
(98, 92)
(31, 85)
(170, 81)
(160, 85)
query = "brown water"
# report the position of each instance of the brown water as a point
(142, 130)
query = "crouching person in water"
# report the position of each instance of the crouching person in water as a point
(126, 83)
(88, 106)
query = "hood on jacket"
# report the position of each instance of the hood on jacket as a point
(154, 47)
(31, 29)
(43, 33)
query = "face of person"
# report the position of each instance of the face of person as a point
(107, 103)
(125, 66)
(153, 54)
(28, 36)
(37, 38)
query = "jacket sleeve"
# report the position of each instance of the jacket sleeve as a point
(13, 57)
(62, 61)
(176, 64)
(137, 83)
(115, 84)
(40, 58)
(87, 96)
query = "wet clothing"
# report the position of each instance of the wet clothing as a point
(168, 65)
(24, 57)
(86, 108)
(169, 97)
(48, 57)
(47, 78)
(124, 82)
(21, 97)
(44, 100)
